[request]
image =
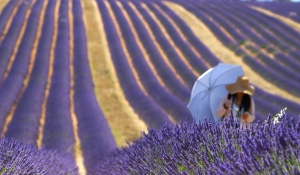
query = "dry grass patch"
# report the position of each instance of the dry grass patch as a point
(286, 20)
(3, 4)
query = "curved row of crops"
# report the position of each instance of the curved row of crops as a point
(96, 140)
(47, 89)
(47, 94)
(260, 95)
(248, 38)
(289, 10)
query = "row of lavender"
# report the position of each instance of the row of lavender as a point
(11, 86)
(266, 106)
(269, 70)
(259, 61)
(160, 97)
(25, 122)
(145, 107)
(96, 139)
(287, 9)
(207, 55)
(175, 87)
(7, 44)
(280, 54)
(58, 133)
(286, 42)
(27, 112)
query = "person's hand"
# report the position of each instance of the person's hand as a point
(245, 117)
(227, 103)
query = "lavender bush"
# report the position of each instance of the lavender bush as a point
(207, 148)
(19, 158)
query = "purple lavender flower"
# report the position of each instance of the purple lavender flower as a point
(210, 148)
(19, 158)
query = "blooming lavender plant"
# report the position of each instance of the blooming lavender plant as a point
(19, 158)
(212, 148)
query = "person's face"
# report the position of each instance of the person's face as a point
(240, 94)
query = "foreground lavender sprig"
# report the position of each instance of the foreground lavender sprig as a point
(19, 158)
(208, 148)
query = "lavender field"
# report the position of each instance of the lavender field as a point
(83, 77)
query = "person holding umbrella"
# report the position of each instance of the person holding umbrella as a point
(240, 100)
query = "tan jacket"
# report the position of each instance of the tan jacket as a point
(221, 111)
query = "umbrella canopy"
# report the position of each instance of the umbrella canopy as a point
(209, 89)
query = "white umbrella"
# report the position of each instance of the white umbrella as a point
(209, 89)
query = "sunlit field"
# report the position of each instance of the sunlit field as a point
(102, 86)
